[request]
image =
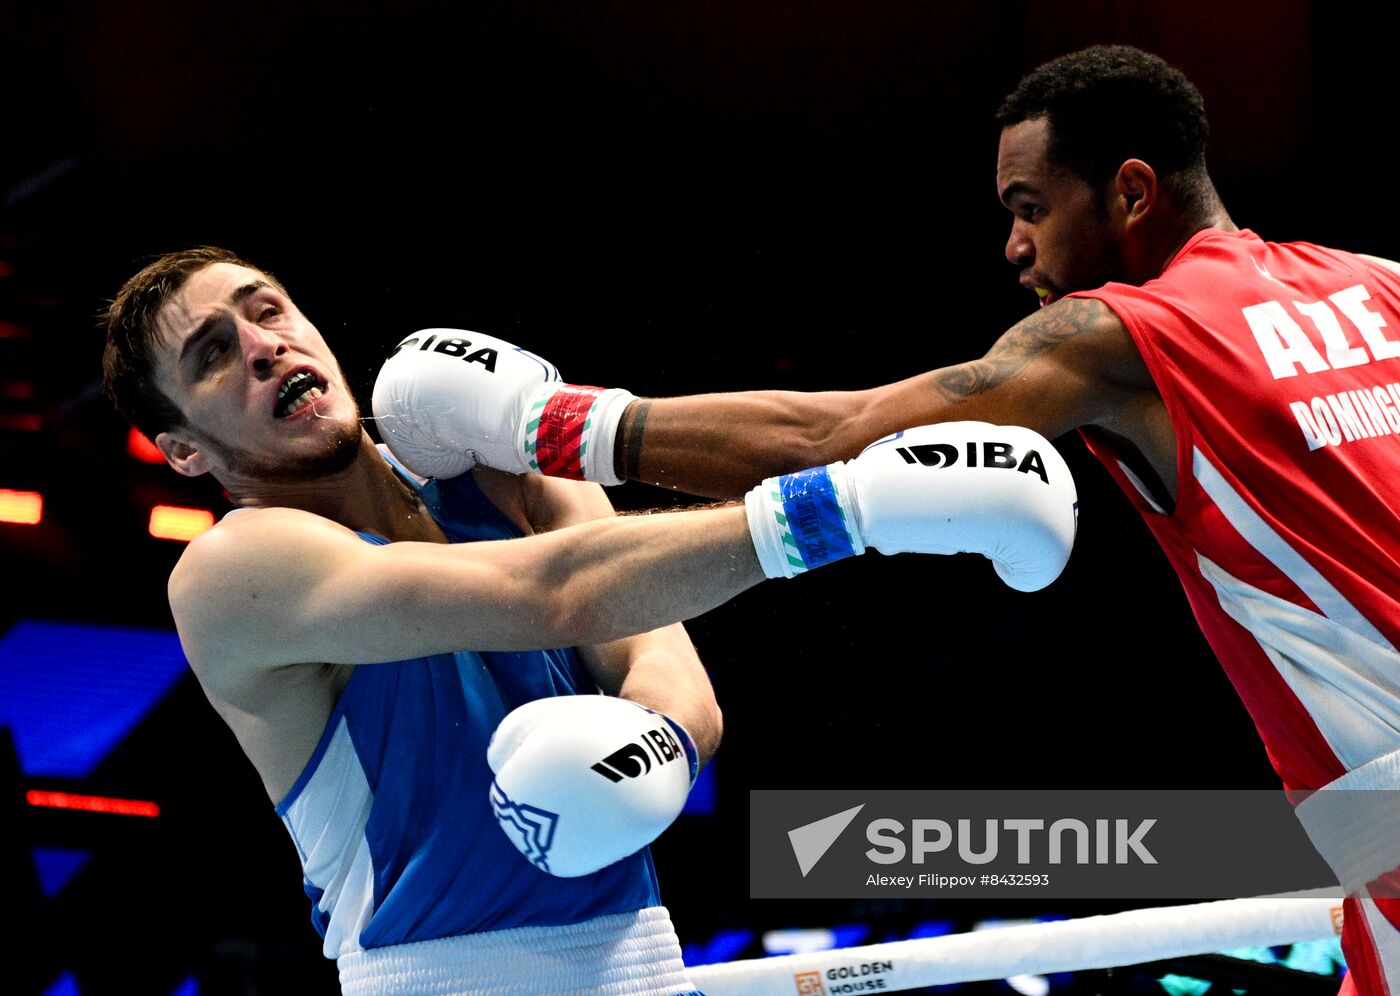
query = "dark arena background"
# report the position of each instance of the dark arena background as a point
(670, 197)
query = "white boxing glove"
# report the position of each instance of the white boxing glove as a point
(955, 487)
(583, 781)
(447, 399)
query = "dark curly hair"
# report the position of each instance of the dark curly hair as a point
(128, 361)
(1111, 103)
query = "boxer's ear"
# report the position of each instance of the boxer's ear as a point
(184, 454)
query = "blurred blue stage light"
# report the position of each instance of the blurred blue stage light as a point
(702, 799)
(72, 692)
(727, 945)
(56, 867)
(64, 985)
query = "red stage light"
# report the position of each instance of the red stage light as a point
(91, 803)
(22, 421)
(175, 523)
(138, 447)
(25, 508)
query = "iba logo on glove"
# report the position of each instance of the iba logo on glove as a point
(451, 346)
(994, 455)
(632, 760)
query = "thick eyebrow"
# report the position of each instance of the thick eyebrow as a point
(1012, 189)
(207, 326)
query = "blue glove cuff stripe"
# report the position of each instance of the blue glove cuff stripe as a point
(814, 517)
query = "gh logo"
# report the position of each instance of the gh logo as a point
(632, 760)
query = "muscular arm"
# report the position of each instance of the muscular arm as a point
(1067, 365)
(659, 668)
(279, 586)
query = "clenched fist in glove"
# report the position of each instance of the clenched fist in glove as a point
(447, 399)
(585, 780)
(955, 487)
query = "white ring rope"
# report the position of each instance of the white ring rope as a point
(1036, 949)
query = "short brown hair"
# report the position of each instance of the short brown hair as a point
(128, 361)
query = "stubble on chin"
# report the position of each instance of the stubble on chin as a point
(337, 453)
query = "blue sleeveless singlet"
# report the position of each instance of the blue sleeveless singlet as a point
(391, 815)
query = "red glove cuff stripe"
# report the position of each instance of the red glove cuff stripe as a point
(560, 441)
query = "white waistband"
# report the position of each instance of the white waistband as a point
(623, 954)
(1354, 821)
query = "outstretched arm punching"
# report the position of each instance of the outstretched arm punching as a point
(1070, 364)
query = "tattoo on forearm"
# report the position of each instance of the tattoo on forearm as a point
(1040, 333)
(627, 454)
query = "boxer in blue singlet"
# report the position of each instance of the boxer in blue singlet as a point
(393, 753)
(378, 646)
(379, 770)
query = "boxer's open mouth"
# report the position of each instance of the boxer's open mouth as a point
(297, 391)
